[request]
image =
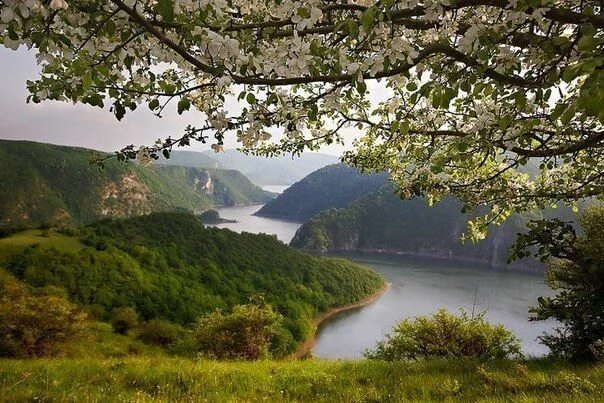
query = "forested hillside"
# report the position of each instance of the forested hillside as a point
(333, 186)
(382, 221)
(167, 265)
(48, 185)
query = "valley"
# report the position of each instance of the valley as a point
(420, 285)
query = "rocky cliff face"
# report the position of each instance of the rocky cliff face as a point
(202, 181)
(126, 197)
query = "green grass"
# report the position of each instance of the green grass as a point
(143, 379)
(15, 243)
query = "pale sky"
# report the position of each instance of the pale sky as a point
(81, 125)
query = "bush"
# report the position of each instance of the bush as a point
(32, 325)
(246, 333)
(160, 332)
(444, 335)
(124, 319)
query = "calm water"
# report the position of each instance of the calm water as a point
(419, 286)
(246, 221)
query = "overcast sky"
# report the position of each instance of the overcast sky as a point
(80, 125)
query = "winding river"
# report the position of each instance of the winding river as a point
(419, 286)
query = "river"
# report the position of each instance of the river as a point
(419, 286)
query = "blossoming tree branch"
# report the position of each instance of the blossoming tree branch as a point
(499, 103)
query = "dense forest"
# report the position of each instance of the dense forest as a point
(348, 210)
(48, 185)
(380, 221)
(168, 266)
(334, 186)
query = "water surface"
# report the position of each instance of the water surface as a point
(419, 286)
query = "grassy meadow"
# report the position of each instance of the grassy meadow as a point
(167, 379)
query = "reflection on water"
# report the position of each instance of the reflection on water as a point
(419, 286)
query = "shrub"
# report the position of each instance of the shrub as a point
(124, 319)
(32, 325)
(246, 333)
(160, 332)
(444, 335)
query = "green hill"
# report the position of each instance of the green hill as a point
(347, 210)
(383, 222)
(334, 186)
(48, 185)
(167, 265)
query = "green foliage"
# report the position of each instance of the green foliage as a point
(47, 185)
(334, 186)
(33, 325)
(209, 216)
(576, 272)
(168, 266)
(160, 332)
(246, 333)
(444, 335)
(382, 221)
(123, 320)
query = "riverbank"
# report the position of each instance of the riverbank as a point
(306, 346)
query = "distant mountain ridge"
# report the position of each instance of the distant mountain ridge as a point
(283, 170)
(50, 185)
(333, 186)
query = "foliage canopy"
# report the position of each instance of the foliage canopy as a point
(32, 325)
(444, 335)
(576, 273)
(451, 97)
(168, 266)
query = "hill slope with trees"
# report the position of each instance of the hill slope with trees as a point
(168, 266)
(49, 185)
(334, 186)
(381, 221)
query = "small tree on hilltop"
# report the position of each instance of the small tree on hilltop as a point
(576, 272)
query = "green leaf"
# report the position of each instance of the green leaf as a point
(353, 28)
(368, 19)
(183, 105)
(412, 86)
(250, 98)
(154, 104)
(165, 8)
